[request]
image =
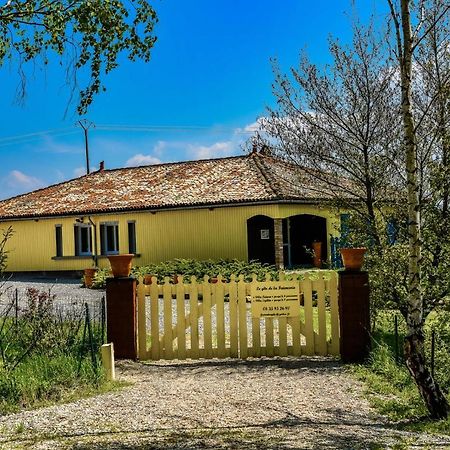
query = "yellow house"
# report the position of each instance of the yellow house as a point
(246, 207)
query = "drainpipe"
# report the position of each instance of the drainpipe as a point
(95, 257)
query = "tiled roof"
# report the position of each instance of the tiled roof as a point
(243, 179)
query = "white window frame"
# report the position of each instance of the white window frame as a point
(78, 228)
(104, 237)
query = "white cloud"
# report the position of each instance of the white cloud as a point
(142, 160)
(20, 181)
(79, 171)
(252, 127)
(159, 148)
(54, 144)
(217, 150)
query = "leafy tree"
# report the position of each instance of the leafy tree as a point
(89, 35)
(428, 16)
(373, 130)
(340, 123)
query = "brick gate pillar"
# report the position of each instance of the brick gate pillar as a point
(354, 316)
(278, 238)
(121, 328)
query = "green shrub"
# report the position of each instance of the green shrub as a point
(191, 267)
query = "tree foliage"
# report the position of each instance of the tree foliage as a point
(340, 123)
(88, 35)
(374, 128)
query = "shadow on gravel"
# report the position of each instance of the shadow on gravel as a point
(313, 364)
(244, 439)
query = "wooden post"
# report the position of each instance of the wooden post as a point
(108, 361)
(121, 325)
(354, 316)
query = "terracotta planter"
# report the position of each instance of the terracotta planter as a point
(148, 279)
(121, 265)
(317, 258)
(353, 258)
(89, 275)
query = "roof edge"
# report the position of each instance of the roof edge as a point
(275, 201)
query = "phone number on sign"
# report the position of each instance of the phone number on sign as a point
(276, 308)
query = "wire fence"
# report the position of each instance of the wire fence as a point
(437, 342)
(73, 325)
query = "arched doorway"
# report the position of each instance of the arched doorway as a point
(260, 239)
(299, 232)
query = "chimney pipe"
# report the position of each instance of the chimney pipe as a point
(102, 166)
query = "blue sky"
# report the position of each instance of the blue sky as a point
(208, 81)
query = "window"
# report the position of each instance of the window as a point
(109, 238)
(83, 239)
(392, 231)
(131, 237)
(58, 238)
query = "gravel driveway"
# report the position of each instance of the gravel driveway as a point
(281, 403)
(284, 403)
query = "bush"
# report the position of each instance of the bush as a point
(191, 267)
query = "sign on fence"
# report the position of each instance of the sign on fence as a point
(275, 299)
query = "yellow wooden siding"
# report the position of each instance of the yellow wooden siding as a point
(162, 235)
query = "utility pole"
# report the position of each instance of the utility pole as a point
(85, 125)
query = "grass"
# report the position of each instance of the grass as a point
(391, 390)
(42, 380)
(45, 355)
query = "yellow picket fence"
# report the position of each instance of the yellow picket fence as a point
(203, 319)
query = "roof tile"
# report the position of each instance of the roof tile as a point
(251, 178)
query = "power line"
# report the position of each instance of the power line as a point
(33, 138)
(29, 137)
(35, 134)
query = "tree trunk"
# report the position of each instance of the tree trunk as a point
(414, 342)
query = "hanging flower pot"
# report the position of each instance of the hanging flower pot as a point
(121, 265)
(89, 275)
(353, 258)
(317, 257)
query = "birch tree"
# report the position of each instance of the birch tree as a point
(407, 41)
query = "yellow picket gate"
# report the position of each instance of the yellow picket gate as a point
(212, 319)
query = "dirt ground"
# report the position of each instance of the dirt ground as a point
(284, 403)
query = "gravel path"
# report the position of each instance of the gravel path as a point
(284, 403)
(65, 289)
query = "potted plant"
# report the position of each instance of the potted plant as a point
(89, 275)
(353, 258)
(121, 264)
(148, 279)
